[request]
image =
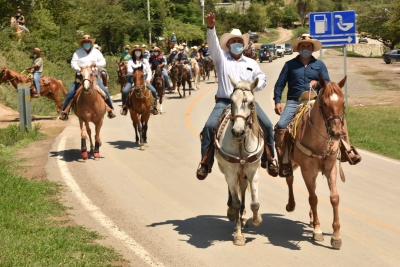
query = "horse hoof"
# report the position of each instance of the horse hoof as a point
(336, 244)
(85, 155)
(146, 144)
(318, 237)
(239, 240)
(231, 214)
(257, 221)
(290, 209)
(96, 156)
(142, 147)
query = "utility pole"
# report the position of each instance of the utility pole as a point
(202, 5)
(148, 18)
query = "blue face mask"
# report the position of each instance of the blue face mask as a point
(305, 53)
(126, 50)
(86, 46)
(237, 48)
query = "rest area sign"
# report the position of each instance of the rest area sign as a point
(333, 28)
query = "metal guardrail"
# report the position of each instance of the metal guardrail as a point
(24, 106)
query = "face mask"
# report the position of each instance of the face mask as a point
(156, 53)
(86, 46)
(138, 53)
(237, 48)
(18, 14)
(305, 53)
(126, 50)
(34, 55)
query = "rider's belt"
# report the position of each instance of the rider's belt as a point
(294, 99)
(218, 99)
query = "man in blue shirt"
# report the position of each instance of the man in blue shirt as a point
(300, 73)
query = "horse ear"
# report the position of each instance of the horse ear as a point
(234, 83)
(342, 82)
(322, 82)
(254, 84)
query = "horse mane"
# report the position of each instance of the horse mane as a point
(332, 88)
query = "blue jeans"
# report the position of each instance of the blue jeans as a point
(287, 114)
(211, 123)
(128, 87)
(36, 78)
(166, 78)
(75, 86)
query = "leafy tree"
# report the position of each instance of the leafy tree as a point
(304, 7)
(289, 15)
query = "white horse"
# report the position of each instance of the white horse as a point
(194, 65)
(238, 149)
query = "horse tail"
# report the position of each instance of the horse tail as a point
(63, 89)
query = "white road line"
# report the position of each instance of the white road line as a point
(100, 217)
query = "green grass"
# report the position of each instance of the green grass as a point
(375, 129)
(269, 37)
(30, 233)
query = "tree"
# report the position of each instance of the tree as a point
(289, 16)
(304, 7)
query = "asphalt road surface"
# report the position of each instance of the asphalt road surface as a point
(150, 206)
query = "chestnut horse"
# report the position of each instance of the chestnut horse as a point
(89, 106)
(49, 87)
(122, 75)
(139, 103)
(314, 146)
(180, 76)
(207, 68)
(159, 84)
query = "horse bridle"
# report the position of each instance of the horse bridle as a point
(90, 80)
(249, 119)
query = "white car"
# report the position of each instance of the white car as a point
(280, 50)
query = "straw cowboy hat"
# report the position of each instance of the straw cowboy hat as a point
(127, 47)
(306, 38)
(136, 47)
(144, 46)
(36, 51)
(86, 37)
(229, 35)
(97, 47)
(20, 11)
(181, 47)
(157, 49)
(184, 44)
(194, 48)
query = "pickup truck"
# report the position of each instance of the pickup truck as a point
(280, 50)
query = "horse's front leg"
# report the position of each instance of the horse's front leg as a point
(255, 204)
(84, 152)
(310, 182)
(336, 239)
(97, 139)
(243, 217)
(231, 179)
(144, 134)
(89, 132)
(291, 205)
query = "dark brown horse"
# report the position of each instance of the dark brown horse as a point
(159, 83)
(139, 104)
(89, 107)
(207, 68)
(180, 76)
(49, 87)
(122, 75)
(314, 146)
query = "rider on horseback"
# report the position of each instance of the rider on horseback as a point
(229, 61)
(137, 61)
(146, 54)
(157, 59)
(21, 20)
(181, 57)
(37, 69)
(85, 56)
(300, 74)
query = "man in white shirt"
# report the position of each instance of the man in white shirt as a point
(228, 60)
(86, 56)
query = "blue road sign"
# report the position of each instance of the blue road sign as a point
(333, 28)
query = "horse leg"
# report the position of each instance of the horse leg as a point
(243, 187)
(231, 211)
(140, 130)
(136, 132)
(310, 182)
(84, 152)
(145, 127)
(97, 139)
(336, 240)
(255, 204)
(238, 239)
(291, 205)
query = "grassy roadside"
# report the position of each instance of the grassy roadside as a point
(32, 229)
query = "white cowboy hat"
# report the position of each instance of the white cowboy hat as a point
(84, 38)
(194, 47)
(96, 46)
(144, 46)
(303, 39)
(229, 35)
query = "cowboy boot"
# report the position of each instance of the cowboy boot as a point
(285, 166)
(347, 152)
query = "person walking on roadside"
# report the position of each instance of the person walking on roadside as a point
(227, 54)
(300, 73)
(36, 69)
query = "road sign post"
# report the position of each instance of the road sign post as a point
(24, 106)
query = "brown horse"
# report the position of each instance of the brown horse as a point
(89, 107)
(180, 76)
(314, 146)
(49, 87)
(207, 68)
(160, 84)
(139, 104)
(170, 45)
(17, 30)
(122, 75)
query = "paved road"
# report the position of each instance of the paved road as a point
(154, 211)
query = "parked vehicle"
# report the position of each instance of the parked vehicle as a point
(288, 49)
(280, 50)
(363, 39)
(273, 46)
(265, 54)
(253, 37)
(391, 56)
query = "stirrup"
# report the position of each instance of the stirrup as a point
(352, 156)
(63, 116)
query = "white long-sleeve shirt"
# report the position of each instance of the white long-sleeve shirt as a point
(146, 67)
(245, 69)
(81, 58)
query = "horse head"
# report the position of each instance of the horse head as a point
(243, 108)
(138, 79)
(331, 106)
(158, 77)
(88, 79)
(174, 72)
(3, 75)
